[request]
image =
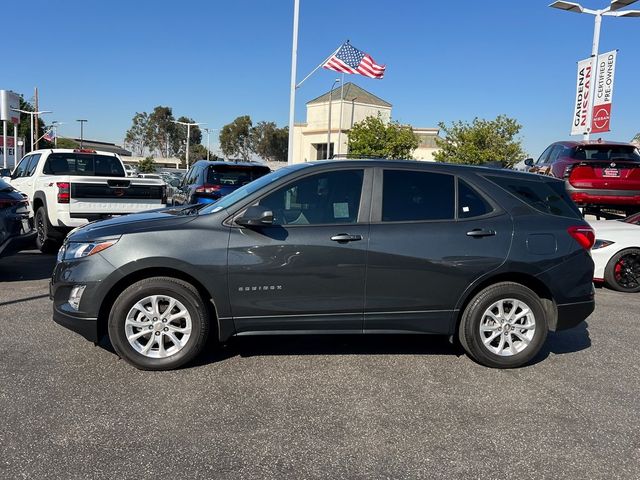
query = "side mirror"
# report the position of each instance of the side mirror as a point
(256, 216)
(528, 162)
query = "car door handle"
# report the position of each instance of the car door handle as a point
(478, 232)
(345, 237)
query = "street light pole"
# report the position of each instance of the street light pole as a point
(613, 10)
(32, 114)
(337, 80)
(82, 122)
(209, 130)
(188, 125)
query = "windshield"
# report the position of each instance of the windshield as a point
(607, 152)
(633, 219)
(248, 189)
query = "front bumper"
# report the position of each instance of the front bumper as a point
(87, 327)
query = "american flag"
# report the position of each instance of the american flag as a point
(349, 59)
(50, 136)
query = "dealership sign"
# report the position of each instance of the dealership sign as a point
(9, 103)
(594, 93)
(606, 70)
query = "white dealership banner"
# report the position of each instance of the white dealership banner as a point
(603, 95)
(582, 103)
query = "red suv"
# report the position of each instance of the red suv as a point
(598, 174)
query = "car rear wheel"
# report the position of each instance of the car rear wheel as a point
(622, 272)
(159, 323)
(44, 242)
(504, 326)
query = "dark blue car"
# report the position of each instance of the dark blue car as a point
(16, 230)
(206, 182)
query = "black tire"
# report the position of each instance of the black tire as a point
(622, 272)
(472, 340)
(167, 286)
(45, 242)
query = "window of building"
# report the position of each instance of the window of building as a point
(321, 151)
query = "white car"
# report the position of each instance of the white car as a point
(616, 253)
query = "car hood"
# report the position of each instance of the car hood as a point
(165, 219)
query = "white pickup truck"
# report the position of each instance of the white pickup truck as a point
(69, 188)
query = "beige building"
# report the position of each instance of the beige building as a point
(356, 104)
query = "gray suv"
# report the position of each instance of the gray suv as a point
(493, 258)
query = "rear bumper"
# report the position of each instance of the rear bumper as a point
(571, 314)
(599, 196)
(17, 243)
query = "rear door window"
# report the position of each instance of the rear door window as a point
(33, 163)
(546, 196)
(83, 164)
(414, 196)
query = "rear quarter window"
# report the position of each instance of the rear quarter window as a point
(545, 196)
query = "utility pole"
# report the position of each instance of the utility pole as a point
(35, 133)
(82, 122)
(188, 125)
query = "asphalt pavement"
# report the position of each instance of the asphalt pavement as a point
(314, 407)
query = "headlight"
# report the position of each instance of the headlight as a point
(601, 244)
(73, 250)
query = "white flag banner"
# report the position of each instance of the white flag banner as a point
(601, 118)
(582, 104)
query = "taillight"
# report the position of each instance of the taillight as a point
(207, 188)
(585, 236)
(64, 192)
(567, 171)
(9, 202)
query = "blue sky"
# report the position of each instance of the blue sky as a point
(214, 60)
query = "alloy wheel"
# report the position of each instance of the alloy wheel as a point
(158, 326)
(626, 271)
(507, 327)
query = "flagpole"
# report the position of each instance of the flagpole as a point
(292, 94)
(340, 124)
(319, 65)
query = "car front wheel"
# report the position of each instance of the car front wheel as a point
(504, 326)
(159, 323)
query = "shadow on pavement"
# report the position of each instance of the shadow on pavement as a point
(25, 266)
(568, 341)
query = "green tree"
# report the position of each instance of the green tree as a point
(480, 141)
(138, 136)
(373, 137)
(147, 165)
(160, 131)
(636, 138)
(270, 142)
(67, 143)
(199, 152)
(235, 138)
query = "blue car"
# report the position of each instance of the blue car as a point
(206, 182)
